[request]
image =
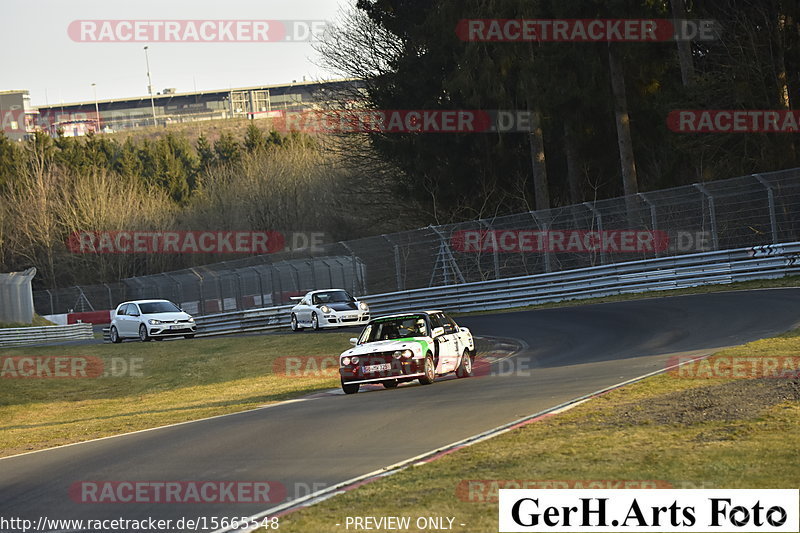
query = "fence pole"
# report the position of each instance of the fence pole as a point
(653, 217)
(599, 217)
(712, 214)
(494, 253)
(773, 221)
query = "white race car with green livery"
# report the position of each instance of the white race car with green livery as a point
(405, 347)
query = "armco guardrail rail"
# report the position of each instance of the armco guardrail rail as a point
(43, 334)
(743, 264)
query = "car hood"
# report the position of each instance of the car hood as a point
(343, 306)
(168, 317)
(418, 344)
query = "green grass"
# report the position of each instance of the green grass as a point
(593, 442)
(172, 381)
(37, 321)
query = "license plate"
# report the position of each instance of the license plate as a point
(378, 368)
(176, 326)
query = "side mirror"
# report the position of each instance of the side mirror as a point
(437, 332)
(354, 341)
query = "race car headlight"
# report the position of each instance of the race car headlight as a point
(325, 309)
(408, 354)
(354, 360)
(397, 354)
(363, 306)
(153, 322)
(345, 361)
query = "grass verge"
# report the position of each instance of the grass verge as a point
(665, 431)
(148, 385)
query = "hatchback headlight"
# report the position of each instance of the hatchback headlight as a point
(190, 319)
(325, 309)
(153, 322)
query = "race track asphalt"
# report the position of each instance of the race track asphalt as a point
(571, 351)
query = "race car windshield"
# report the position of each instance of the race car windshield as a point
(332, 297)
(399, 328)
(159, 307)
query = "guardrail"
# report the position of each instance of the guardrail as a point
(42, 334)
(743, 264)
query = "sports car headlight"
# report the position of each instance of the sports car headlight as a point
(153, 322)
(363, 306)
(325, 309)
(345, 361)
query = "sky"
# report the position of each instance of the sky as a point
(39, 54)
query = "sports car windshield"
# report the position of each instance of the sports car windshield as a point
(159, 307)
(395, 328)
(333, 297)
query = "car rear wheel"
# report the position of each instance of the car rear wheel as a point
(390, 384)
(143, 336)
(350, 388)
(314, 322)
(464, 369)
(430, 371)
(114, 334)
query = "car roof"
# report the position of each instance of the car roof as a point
(143, 302)
(325, 290)
(396, 315)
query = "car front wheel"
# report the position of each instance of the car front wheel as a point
(143, 336)
(430, 371)
(314, 322)
(350, 388)
(114, 334)
(464, 369)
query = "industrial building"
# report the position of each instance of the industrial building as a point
(165, 107)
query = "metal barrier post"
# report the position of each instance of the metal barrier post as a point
(712, 213)
(773, 222)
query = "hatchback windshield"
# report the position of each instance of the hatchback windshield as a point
(333, 297)
(159, 307)
(395, 328)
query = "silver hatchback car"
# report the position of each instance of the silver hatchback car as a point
(150, 319)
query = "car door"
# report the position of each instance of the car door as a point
(121, 320)
(444, 344)
(132, 320)
(454, 347)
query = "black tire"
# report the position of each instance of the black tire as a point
(430, 371)
(390, 384)
(114, 335)
(464, 369)
(189, 336)
(143, 336)
(314, 322)
(294, 325)
(350, 388)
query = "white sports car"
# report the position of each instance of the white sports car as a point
(331, 308)
(150, 319)
(404, 347)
